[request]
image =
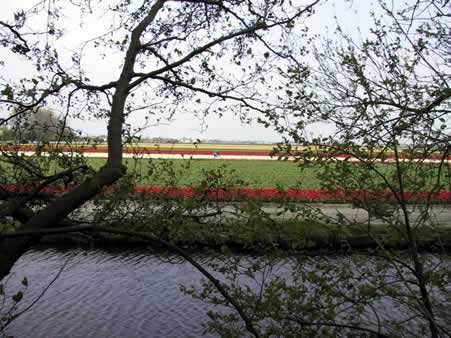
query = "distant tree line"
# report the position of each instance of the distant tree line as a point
(40, 125)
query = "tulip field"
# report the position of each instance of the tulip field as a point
(260, 174)
(197, 151)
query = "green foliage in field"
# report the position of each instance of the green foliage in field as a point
(254, 174)
(272, 174)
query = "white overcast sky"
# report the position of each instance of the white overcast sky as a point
(351, 14)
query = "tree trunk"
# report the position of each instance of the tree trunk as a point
(54, 214)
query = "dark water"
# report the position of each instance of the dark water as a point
(112, 294)
(101, 294)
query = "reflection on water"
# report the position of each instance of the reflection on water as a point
(100, 294)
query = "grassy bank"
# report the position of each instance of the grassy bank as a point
(290, 236)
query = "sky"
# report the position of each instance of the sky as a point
(229, 128)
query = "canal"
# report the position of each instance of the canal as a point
(125, 293)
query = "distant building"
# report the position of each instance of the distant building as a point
(165, 140)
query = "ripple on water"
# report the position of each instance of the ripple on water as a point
(100, 294)
(121, 294)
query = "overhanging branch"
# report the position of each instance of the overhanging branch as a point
(81, 228)
(221, 95)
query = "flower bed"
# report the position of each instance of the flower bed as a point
(243, 193)
(295, 194)
(224, 152)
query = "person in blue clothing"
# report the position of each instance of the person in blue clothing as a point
(216, 154)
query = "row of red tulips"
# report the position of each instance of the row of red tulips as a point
(199, 152)
(238, 193)
(291, 193)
